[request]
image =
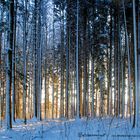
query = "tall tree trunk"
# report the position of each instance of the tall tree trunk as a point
(135, 122)
(45, 90)
(1, 69)
(67, 77)
(92, 80)
(138, 51)
(53, 68)
(9, 63)
(39, 115)
(46, 76)
(123, 84)
(13, 64)
(77, 64)
(116, 47)
(35, 61)
(25, 62)
(62, 85)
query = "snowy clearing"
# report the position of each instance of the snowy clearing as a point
(84, 129)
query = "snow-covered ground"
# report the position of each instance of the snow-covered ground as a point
(83, 129)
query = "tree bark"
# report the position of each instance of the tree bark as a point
(9, 63)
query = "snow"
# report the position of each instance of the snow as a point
(78, 129)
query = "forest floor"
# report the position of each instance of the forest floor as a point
(83, 129)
